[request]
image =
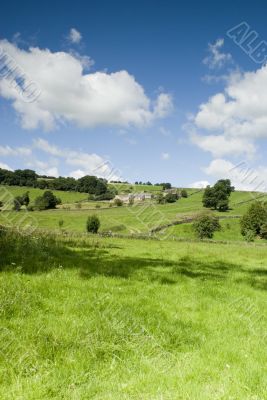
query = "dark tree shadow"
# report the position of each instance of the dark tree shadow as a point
(42, 255)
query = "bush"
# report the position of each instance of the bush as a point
(118, 202)
(160, 199)
(17, 202)
(184, 193)
(206, 225)
(171, 198)
(60, 223)
(40, 203)
(93, 224)
(47, 201)
(255, 220)
(131, 201)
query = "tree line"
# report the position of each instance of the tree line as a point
(97, 187)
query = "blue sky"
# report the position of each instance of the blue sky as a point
(156, 90)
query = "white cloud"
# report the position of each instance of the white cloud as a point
(216, 58)
(5, 166)
(74, 36)
(165, 156)
(219, 145)
(233, 120)
(15, 151)
(67, 94)
(87, 164)
(199, 184)
(242, 176)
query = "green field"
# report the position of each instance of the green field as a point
(140, 218)
(66, 197)
(105, 318)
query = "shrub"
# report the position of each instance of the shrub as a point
(131, 201)
(47, 201)
(255, 220)
(160, 199)
(118, 202)
(41, 203)
(171, 198)
(184, 193)
(93, 224)
(97, 206)
(17, 202)
(25, 199)
(78, 205)
(60, 223)
(206, 225)
(52, 201)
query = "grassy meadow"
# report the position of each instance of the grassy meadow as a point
(108, 318)
(137, 219)
(90, 317)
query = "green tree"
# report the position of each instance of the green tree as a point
(206, 225)
(41, 203)
(51, 199)
(217, 197)
(255, 219)
(184, 193)
(17, 202)
(171, 198)
(25, 198)
(93, 224)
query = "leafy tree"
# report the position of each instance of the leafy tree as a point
(25, 198)
(184, 193)
(255, 220)
(51, 199)
(93, 224)
(171, 198)
(217, 197)
(160, 198)
(166, 185)
(17, 202)
(41, 203)
(206, 225)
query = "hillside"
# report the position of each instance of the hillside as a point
(140, 218)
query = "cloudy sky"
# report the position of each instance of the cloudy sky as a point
(143, 90)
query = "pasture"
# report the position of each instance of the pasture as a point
(104, 318)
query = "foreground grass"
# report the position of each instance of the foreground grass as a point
(98, 318)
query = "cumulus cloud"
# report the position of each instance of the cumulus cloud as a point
(15, 151)
(74, 36)
(85, 163)
(5, 166)
(233, 120)
(242, 176)
(68, 94)
(219, 145)
(199, 185)
(216, 58)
